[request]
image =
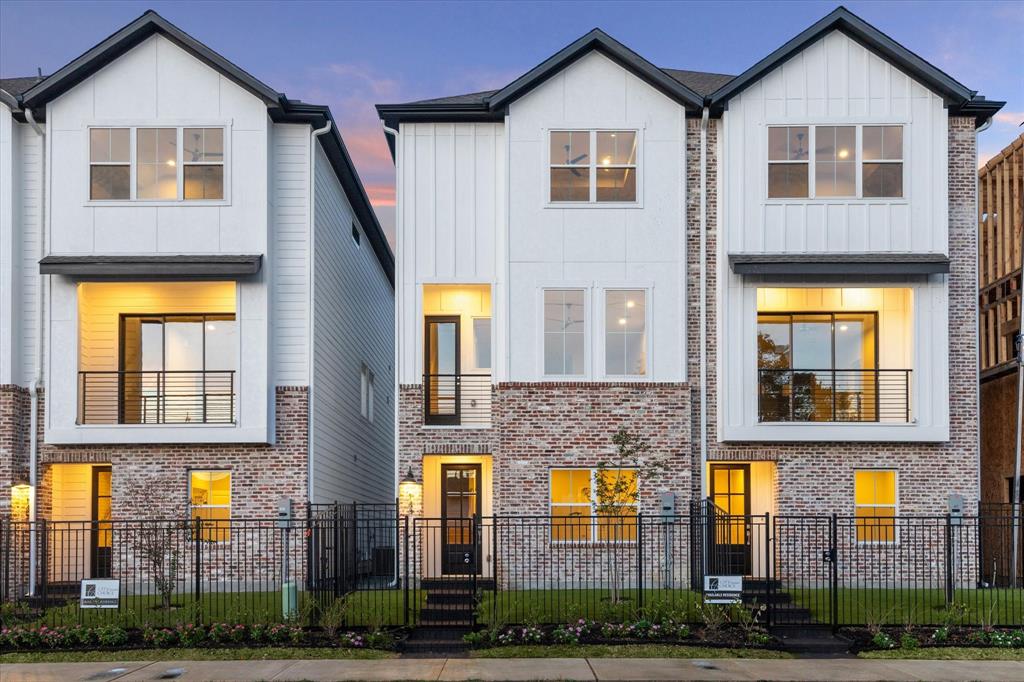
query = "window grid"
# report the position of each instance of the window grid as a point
(584, 504)
(203, 163)
(564, 344)
(876, 499)
(580, 155)
(625, 345)
(146, 166)
(888, 166)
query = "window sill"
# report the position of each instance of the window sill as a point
(157, 203)
(837, 201)
(587, 204)
(456, 427)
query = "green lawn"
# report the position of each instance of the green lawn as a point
(240, 654)
(372, 607)
(859, 606)
(949, 654)
(563, 606)
(622, 651)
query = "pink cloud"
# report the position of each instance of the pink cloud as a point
(1011, 117)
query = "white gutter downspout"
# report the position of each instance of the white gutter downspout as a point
(977, 360)
(310, 374)
(37, 375)
(703, 306)
(398, 301)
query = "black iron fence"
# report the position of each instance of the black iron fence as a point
(826, 570)
(194, 570)
(163, 397)
(834, 395)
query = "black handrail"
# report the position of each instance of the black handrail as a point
(833, 395)
(156, 397)
(457, 399)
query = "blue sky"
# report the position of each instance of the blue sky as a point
(351, 55)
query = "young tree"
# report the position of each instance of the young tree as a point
(617, 484)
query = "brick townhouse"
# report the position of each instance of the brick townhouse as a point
(196, 298)
(769, 277)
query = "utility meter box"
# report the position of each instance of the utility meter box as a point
(956, 509)
(668, 504)
(284, 512)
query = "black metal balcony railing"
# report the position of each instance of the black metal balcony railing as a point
(834, 395)
(170, 397)
(457, 399)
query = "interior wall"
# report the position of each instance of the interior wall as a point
(468, 301)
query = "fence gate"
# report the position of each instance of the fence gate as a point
(803, 571)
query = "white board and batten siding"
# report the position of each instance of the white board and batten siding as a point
(157, 83)
(353, 311)
(834, 81)
(451, 189)
(597, 247)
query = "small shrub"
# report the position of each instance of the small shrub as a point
(759, 638)
(527, 634)
(882, 640)
(333, 617)
(238, 634)
(977, 637)
(353, 640)
(713, 616)
(565, 634)
(379, 639)
(111, 635)
(283, 633)
(941, 635)
(474, 638)
(259, 633)
(218, 633)
(191, 635)
(908, 642)
(1000, 639)
(160, 638)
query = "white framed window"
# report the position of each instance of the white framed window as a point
(593, 166)
(159, 164)
(564, 332)
(625, 332)
(209, 493)
(576, 513)
(848, 162)
(366, 393)
(875, 494)
(482, 342)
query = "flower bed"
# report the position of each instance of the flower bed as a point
(187, 635)
(911, 638)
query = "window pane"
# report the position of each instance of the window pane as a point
(99, 144)
(157, 174)
(570, 147)
(625, 327)
(482, 342)
(120, 144)
(615, 354)
(204, 182)
(616, 148)
(570, 184)
(812, 342)
(220, 487)
(221, 344)
(787, 180)
(798, 143)
(616, 184)
(200, 487)
(574, 354)
(109, 182)
(778, 143)
(892, 142)
(883, 180)
(203, 145)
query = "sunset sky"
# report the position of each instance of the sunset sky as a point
(352, 55)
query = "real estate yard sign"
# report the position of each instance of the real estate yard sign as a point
(722, 589)
(100, 594)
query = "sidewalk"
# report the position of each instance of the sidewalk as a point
(834, 670)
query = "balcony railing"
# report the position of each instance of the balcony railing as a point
(457, 399)
(834, 395)
(170, 397)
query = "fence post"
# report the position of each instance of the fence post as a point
(44, 572)
(949, 559)
(494, 562)
(768, 568)
(640, 560)
(337, 551)
(198, 540)
(405, 553)
(833, 553)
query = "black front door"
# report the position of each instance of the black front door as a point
(102, 534)
(441, 369)
(460, 512)
(730, 492)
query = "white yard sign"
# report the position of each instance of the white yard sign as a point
(722, 589)
(100, 594)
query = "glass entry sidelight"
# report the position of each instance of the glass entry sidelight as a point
(460, 512)
(101, 529)
(442, 367)
(730, 493)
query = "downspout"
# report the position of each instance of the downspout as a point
(396, 379)
(703, 305)
(977, 359)
(37, 374)
(310, 374)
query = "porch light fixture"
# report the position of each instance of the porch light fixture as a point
(410, 491)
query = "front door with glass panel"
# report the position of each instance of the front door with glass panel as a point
(460, 512)
(441, 370)
(102, 533)
(730, 493)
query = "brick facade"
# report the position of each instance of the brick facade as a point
(151, 481)
(14, 448)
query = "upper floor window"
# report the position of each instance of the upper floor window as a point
(625, 329)
(564, 325)
(156, 164)
(366, 393)
(832, 170)
(579, 175)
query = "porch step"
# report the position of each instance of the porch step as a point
(450, 597)
(456, 583)
(763, 597)
(790, 614)
(812, 641)
(447, 614)
(428, 641)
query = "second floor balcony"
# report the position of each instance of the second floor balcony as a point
(157, 397)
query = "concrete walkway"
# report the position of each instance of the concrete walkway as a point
(834, 670)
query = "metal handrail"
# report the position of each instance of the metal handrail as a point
(457, 399)
(833, 395)
(157, 397)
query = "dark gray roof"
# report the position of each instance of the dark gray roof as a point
(701, 82)
(279, 108)
(886, 263)
(16, 86)
(200, 266)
